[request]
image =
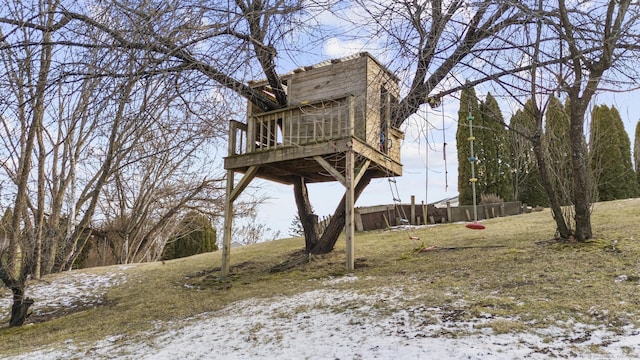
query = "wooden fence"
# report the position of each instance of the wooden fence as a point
(384, 216)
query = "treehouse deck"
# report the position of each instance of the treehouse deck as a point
(310, 141)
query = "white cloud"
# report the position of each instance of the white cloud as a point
(337, 48)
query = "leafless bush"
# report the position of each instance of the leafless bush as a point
(490, 199)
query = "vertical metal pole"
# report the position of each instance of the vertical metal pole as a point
(472, 160)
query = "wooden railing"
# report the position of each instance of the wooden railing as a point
(237, 137)
(307, 124)
(294, 126)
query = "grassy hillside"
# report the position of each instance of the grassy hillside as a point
(513, 269)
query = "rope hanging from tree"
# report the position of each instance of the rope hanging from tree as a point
(444, 154)
(435, 103)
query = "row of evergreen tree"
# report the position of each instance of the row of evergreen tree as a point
(506, 165)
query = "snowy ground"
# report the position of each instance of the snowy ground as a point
(322, 324)
(65, 291)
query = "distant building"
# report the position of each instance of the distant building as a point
(453, 201)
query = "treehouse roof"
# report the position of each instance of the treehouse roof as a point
(328, 63)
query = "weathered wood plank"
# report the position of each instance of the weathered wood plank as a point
(349, 202)
(333, 171)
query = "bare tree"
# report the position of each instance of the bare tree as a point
(600, 39)
(72, 116)
(167, 173)
(596, 39)
(537, 109)
(26, 70)
(252, 231)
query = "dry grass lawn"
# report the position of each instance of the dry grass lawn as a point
(513, 269)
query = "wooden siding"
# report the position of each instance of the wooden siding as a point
(333, 108)
(327, 82)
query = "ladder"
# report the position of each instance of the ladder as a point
(397, 203)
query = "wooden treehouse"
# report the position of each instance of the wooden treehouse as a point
(336, 127)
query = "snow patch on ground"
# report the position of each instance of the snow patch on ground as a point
(332, 324)
(68, 290)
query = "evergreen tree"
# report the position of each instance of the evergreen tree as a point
(295, 228)
(624, 146)
(559, 150)
(197, 236)
(636, 153)
(611, 155)
(493, 152)
(526, 178)
(468, 103)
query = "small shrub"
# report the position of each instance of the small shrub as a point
(490, 199)
(197, 237)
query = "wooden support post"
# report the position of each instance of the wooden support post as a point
(386, 221)
(349, 178)
(424, 213)
(449, 211)
(228, 223)
(251, 134)
(233, 192)
(361, 172)
(349, 204)
(358, 220)
(413, 210)
(333, 171)
(233, 131)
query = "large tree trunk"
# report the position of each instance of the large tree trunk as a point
(581, 177)
(308, 219)
(556, 207)
(329, 237)
(20, 307)
(563, 228)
